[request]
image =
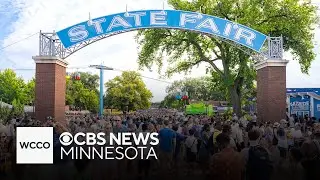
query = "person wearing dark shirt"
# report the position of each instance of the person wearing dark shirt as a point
(179, 139)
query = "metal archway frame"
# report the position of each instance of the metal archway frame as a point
(50, 45)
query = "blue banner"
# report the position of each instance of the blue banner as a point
(170, 19)
(299, 104)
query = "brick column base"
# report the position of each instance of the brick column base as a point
(50, 90)
(271, 90)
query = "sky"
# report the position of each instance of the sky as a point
(21, 18)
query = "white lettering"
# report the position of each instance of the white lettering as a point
(152, 153)
(209, 24)
(126, 139)
(118, 21)
(108, 152)
(248, 35)
(95, 151)
(100, 136)
(77, 141)
(117, 139)
(137, 17)
(158, 18)
(154, 137)
(143, 139)
(127, 154)
(83, 151)
(227, 30)
(91, 139)
(118, 151)
(97, 25)
(63, 151)
(78, 33)
(188, 17)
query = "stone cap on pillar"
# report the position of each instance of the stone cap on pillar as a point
(50, 60)
(271, 62)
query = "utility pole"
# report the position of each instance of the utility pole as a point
(101, 68)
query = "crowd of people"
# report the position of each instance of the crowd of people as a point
(198, 146)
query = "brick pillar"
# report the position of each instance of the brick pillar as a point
(50, 88)
(271, 90)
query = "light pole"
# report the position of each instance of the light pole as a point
(101, 68)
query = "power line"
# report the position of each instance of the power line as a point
(18, 41)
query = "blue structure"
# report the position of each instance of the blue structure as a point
(101, 93)
(170, 19)
(101, 68)
(304, 101)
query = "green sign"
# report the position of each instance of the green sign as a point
(199, 108)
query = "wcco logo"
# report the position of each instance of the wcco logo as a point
(34, 145)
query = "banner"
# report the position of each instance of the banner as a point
(170, 19)
(300, 106)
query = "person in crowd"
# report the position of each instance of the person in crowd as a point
(179, 143)
(227, 164)
(227, 130)
(167, 138)
(311, 159)
(291, 168)
(191, 150)
(282, 141)
(257, 158)
(144, 164)
(204, 152)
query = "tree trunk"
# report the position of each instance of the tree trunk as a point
(235, 95)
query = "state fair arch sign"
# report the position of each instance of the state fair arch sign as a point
(169, 19)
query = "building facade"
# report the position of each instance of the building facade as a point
(304, 101)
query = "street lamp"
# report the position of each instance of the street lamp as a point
(102, 68)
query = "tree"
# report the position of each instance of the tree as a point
(30, 90)
(198, 89)
(81, 97)
(171, 102)
(12, 88)
(128, 91)
(90, 81)
(187, 49)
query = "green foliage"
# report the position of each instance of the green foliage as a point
(4, 113)
(30, 91)
(12, 87)
(200, 89)
(17, 108)
(186, 49)
(82, 94)
(128, 90)
(90, 81)
(171, 102)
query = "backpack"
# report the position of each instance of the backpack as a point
(259, 165)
